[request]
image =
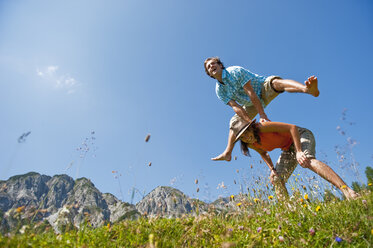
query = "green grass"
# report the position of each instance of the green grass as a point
(352, 221)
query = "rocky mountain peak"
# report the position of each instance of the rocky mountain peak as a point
(59, 200)
(167, 202)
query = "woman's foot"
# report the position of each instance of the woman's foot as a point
(223, 157)
(349, 193)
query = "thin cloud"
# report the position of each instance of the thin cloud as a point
(59, 80)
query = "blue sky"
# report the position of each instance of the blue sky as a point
(107, 73)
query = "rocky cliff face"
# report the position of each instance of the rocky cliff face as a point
(59, 200)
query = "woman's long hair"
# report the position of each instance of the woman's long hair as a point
(245, 146)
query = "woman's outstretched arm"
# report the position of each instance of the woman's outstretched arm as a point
(267, 159)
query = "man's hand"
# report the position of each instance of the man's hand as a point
(264, 118)
(303, 160)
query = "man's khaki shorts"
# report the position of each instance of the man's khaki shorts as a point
(267, 95)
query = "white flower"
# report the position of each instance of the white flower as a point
(23, 229)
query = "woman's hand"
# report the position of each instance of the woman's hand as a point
(274, 172)
(274, 177)
(303, 160)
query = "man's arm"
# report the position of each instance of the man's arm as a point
(240, 111)
(255, 100)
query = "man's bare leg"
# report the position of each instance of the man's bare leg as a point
(310, 86)
(227, 154)
(328, 174)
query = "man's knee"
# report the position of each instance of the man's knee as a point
(277, 84)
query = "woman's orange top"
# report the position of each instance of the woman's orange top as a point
(273, 140)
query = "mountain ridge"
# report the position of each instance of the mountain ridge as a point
(61, 202)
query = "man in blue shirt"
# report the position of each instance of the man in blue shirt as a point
(248, 93)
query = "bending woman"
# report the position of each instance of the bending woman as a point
(298, 145)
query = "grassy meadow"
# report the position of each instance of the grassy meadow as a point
(300, 222)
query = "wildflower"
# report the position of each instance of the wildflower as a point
(259, 229)
(312, 231)
(267, 211)
(338, 239)
(232, 197)
(370, 184)
(23, 229)
(364, 202)
(343, 187)
(299, 224)
(230, 230)
(281, 239)
(305, 196)
(371, 232)
(108, 225)
(256, 200)
(20, 209)
(240, 228)
(317, 208)
(270, 197)
(221, 185)
(301, 200)
(305, 205)
(239, 204)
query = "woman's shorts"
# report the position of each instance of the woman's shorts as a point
(287, 162)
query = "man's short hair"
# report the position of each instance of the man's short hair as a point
(217, 59)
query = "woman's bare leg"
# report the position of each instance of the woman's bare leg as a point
(328, 174)
(227, 154)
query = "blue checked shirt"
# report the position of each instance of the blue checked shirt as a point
(234, 78)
